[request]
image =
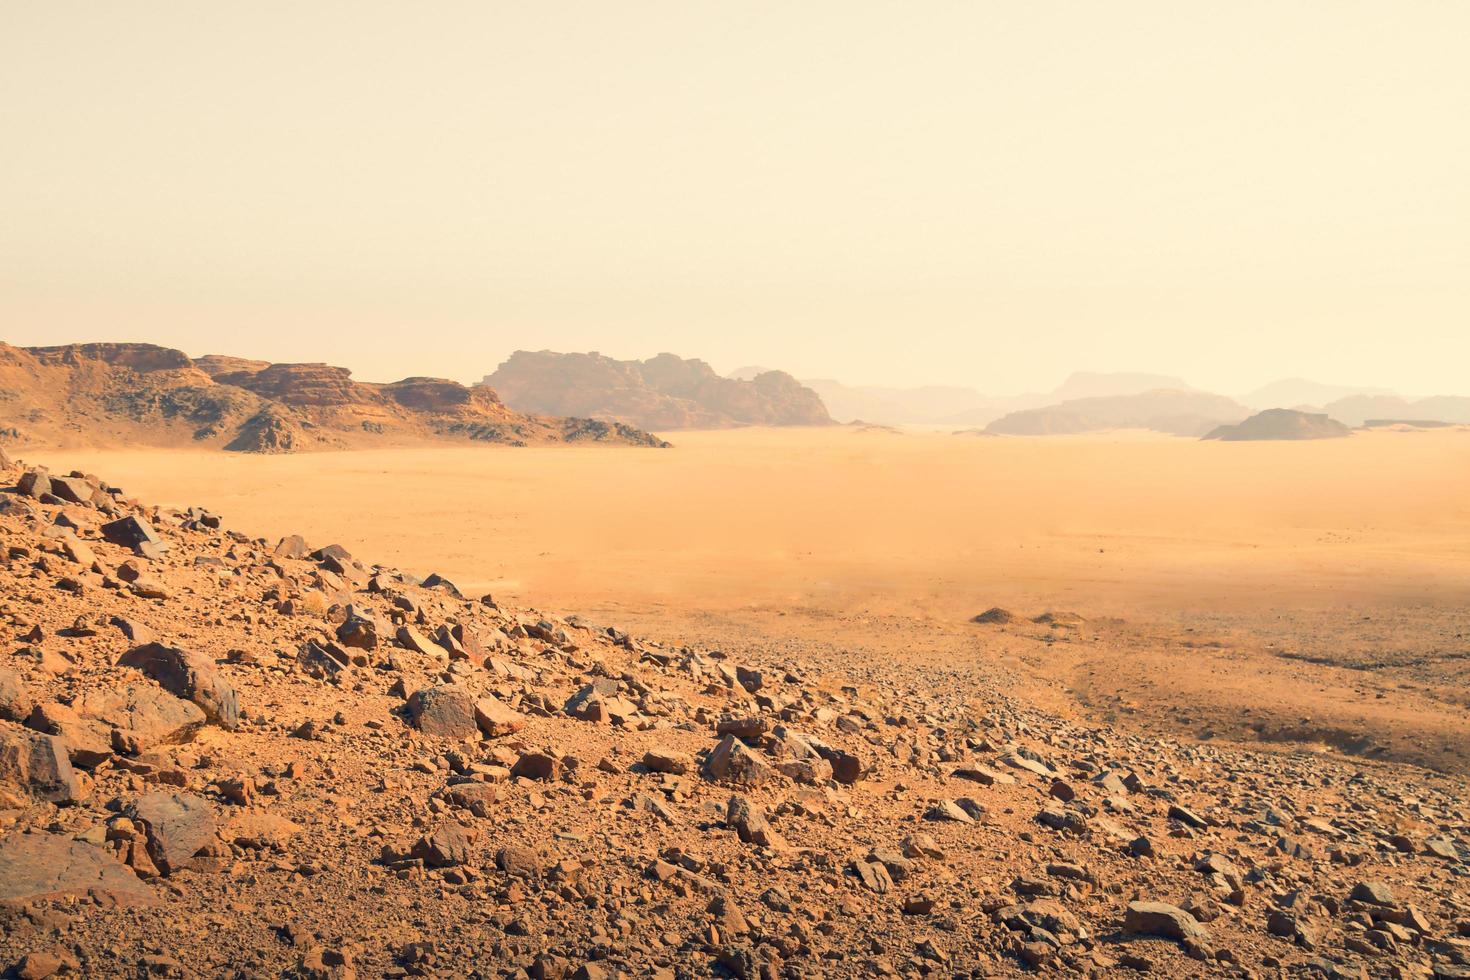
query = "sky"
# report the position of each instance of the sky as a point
(972, 193)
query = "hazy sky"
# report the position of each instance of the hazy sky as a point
(977, 193)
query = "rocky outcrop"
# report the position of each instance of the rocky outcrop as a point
(135, 357)
(663, 392)
(144, 394)
(1281, 424)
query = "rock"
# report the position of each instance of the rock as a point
(77, 550)
(323, 660)
(447, 711)
(359, 630)
(730, 761)
(41, 867)
(518, 861)
(663, 760)
(496, 719)
(34, 483)
(191, 676)
(130, 532)
(994, 615)
(447, 846)
(749, 822)
(291, 546)
(177, 826)
(72, 489)
(16, 702)
(129, 719)
(983, 776)
(259, 829)
(38, 764)
(476, 797)
(133, 630)
(536, 765)
(1187, 817)
(745, 727)
(948, 810)
(1166, 921)
(411, 639)
(873, 875)
(1374, 893)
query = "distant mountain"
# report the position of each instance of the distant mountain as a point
(142, 394)
(1275, 424)
(1091, 384)
(663, 392)
(928, 405)
(1297, 392)
(1183, 413)
(1356, 410)
(960, 406)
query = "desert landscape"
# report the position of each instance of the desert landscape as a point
(604, 491)
(842, 700)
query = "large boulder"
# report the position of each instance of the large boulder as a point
(732, 762)
(127, 719)
(40, 867)
(178, 825)
(38, 764)
(140, 717)
(191, 676)
(15, 701)
(447, 710)
(130, 532)
(1161, 919)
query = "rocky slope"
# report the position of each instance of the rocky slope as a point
(225, 756)
(1281, 424)
(663, 392)
(143, 394)
(1182, 413)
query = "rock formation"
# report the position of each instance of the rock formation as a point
(1281, 424)
(663, 392)
(148, 395)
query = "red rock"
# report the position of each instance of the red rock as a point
(37, 867)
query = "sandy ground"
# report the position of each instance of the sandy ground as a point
(1303, 592)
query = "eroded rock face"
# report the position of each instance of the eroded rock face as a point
(41, 866)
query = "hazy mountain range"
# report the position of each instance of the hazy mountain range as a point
(1087, 401)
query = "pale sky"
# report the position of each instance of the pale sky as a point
(978, 193)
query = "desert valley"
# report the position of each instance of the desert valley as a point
(796, 700)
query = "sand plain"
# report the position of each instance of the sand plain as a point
(1296, 594)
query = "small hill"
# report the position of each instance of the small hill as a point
(1281, 424)
(142, 394)
(663, 392)
(1182, 413)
